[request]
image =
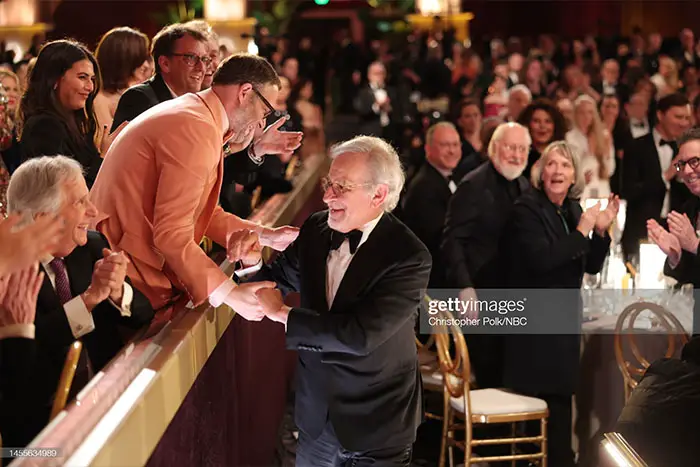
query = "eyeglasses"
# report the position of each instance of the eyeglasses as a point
(193, 60)
(521, 148)
(270, 109)
(341, 188)
(693, 162)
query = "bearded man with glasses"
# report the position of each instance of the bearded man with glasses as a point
(159, 185)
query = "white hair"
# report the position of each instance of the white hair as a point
(521, 88)
(500, 132)
(37, 185)
(384, 164)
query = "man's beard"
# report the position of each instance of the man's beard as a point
(509, 171)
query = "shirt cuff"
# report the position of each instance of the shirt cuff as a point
(674, 265)
(249, 270)
(79, 318)
(219, 295)
(26, 330)
(127, 299)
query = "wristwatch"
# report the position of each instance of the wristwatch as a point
(254, 157)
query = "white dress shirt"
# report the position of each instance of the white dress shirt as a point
(380, 95)
(79, 318)
(665, 158)
(339, 260)
(639, 128)
(447, 174)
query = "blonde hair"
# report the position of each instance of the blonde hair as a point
(570, 153)
(597, 129)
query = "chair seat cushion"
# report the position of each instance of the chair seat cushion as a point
(498, 402)
(433, 378)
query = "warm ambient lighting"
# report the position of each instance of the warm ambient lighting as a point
(94, 442)
(224, 10)
(621, 452)
(437, 7)
(17, 12)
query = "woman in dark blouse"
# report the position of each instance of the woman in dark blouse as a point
(56, 114)
(551, 243)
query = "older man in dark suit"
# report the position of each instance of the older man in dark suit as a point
(84, 294)
(425, 203)
(362, 275)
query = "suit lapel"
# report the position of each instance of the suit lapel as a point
(365, 265)
(47, 298)
(317, 270)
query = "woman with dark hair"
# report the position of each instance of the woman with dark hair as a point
(124, 58)
(546, 124)
(56, 113)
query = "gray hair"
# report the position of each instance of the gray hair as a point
(37, 185)
(384, 164)
(431, 131)
(521, 88)
(572, 155)
(500, 132)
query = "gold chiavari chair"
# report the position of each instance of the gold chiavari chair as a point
(291, 168)
(64, 384)
(255, 199)
(465, 407)
(632, 371)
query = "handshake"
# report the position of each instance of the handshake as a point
(255, 300)
(246, 245)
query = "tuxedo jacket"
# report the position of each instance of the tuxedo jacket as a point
(370, 122)
(644, 190)
(357, 362)
(54, 338)
(423, 211)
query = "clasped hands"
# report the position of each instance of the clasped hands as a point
(108, 276)
(255, 300)
(680, 236)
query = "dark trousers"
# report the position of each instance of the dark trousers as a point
(326, 451)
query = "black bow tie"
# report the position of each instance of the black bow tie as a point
(354, 236)
(639, 125)
(670, 143)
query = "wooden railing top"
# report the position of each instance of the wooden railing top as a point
(121, 415)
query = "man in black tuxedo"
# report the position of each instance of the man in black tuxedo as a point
(609, 83)
(362, 275)
(678, 237)
(425, 203)
(376, 104)
(474, 226)
(648, 182)
(84, 294)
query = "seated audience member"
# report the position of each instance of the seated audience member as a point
(546, 124)
(519, 97)
(56, 114)
(84, 294)
(659, 420)
(427, 196)
(548, 247)
(124, 58)
(18, 294)
(469, 121)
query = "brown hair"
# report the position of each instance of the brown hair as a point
(246, 68)
(119, 53)
(164, 42)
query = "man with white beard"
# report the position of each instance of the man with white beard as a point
(474, 225)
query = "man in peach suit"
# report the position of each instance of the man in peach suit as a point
(158, 188)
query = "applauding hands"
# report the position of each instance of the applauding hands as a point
(594, 218)
(680, 236)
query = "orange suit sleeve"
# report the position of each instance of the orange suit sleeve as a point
(185, 160)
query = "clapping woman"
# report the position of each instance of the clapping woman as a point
(551, 244)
